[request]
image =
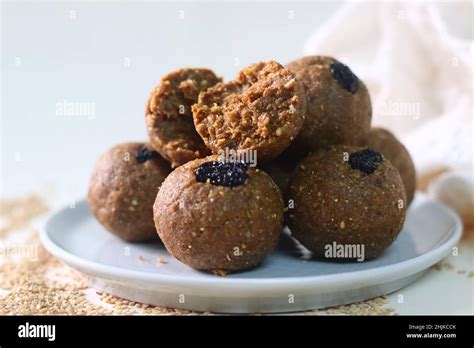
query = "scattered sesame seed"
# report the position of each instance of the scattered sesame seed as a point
(161, 261)
(28, 289)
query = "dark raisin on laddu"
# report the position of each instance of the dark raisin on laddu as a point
(344, 76)
(229, 174)
(143, 154)
(365, 160)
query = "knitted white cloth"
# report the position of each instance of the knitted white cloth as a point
(416, 60)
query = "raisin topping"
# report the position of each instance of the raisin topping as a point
(365, 160)
(229, 174)
(344, 76)
(143, 154)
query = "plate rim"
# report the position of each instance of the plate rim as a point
(354, 278)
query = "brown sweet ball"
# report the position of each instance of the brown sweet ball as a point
(338, 107)
(387, 144)
(261, 110)
(168, 115)
(349, 197)
(218, 216)
(123, 187)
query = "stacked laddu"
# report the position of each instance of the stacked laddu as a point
(307, 125)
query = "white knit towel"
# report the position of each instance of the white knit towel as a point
(417, 62)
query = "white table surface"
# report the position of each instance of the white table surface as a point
(110, 55)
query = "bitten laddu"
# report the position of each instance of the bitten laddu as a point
(168, 115)
(261, 110)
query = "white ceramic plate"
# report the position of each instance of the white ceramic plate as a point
(285, 282)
